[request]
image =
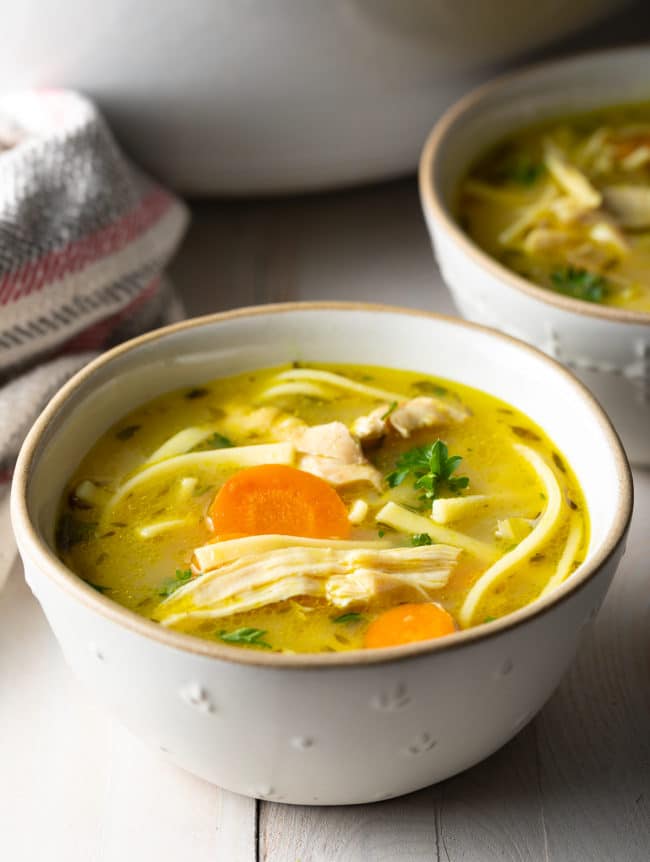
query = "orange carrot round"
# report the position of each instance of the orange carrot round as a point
(275, 498)
(405, 624)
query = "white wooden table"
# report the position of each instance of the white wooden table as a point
(574, 786)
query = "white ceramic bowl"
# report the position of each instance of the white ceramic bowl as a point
(336, 728)
(238, 96)
(608, 348)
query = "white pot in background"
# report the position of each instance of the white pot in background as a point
(241, 96)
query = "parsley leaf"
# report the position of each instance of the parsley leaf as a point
(218, 441)
(249, 636)
(181, 577)
(579, 284)
(348, 618)
(431, 466)
(419, 539)
(524, 171)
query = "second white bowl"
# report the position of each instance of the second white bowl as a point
(608, 348)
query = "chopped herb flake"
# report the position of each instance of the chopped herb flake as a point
(247, 636)
(348, 618)
(392, 407)
(199, 392)
(99, 587)
(419, 539)
(181, 577)
(579, 284)
(559, 463)
(525, 433)
(127, 432)
(429, 387)
(523, 171)
(218, 441)
(71, 531)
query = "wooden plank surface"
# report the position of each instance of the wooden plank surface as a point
(74, 785)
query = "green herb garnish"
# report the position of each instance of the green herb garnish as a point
(127, 432)
(348, 618)
(71, 531)
(199, 392)
(181, 577)
(489, 619)
(218, 441)
(419, 539)
(99, 587)
(525, 433)
(431, 467)
(248, 636)
(524, 171)
(392, 407)
(429, 387)
(579, 284)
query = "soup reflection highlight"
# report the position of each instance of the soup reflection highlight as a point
(318, 508)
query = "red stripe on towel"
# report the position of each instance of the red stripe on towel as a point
(96, 336)
(35, 275)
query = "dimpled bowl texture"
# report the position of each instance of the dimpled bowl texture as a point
(331, 728)
(608, 348)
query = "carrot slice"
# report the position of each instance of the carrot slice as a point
(405, 624)
(275, 498)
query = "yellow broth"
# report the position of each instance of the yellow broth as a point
(105, 548)
(590, 242)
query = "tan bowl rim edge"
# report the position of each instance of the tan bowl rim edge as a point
(433, 202)
(43, 557)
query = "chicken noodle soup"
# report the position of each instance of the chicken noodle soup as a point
(320, 508)
(567, 205)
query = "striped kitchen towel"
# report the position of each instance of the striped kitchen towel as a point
(84, 240)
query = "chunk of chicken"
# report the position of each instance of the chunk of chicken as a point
(424, 412)
(373, 426)
(411, 415)
(338, 473)
(330, 452)
(332, 440)
(630, 205)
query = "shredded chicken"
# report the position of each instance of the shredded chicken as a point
(343, 577)
(573, 181)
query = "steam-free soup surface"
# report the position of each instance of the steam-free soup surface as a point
(323, 508)
(567, 204)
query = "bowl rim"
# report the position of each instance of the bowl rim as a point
(40, 555)
(433, 203)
